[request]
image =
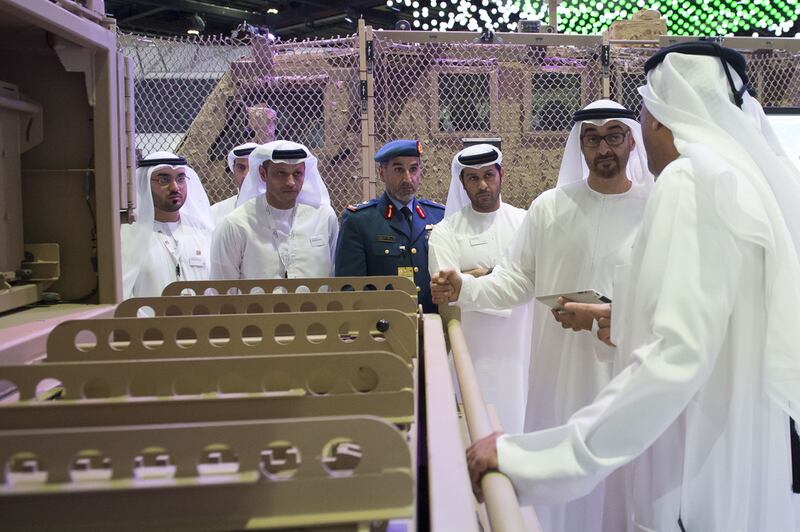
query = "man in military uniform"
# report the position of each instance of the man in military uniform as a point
(388, 235)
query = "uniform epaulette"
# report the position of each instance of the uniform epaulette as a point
(362, 205)
(430, 203)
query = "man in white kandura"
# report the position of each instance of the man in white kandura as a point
(474, 235)
(572, 238)
(171, 238)
(285, 226)
(707, 323)
(238, 165)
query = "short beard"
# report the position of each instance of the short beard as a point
(607, 171)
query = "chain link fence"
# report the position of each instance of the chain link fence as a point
(441, 93)
(201, 96)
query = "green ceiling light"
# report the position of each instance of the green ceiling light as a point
(684, 17)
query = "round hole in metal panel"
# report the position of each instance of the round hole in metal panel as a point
(280, 460)
(218, 459)
(50, 388)
(186, 337)
(152, 463)
(90, 465)
(219, 336)
(347, 333)
(322, 381)
(200, 310)
(9, 393)
(308, 306)
(341, 456)
(281, 307)
(277, 381)
(316, 333)
(255, 308)
(334, 306)
(142, 386)
(153, 338)
(25, 469)
(190, 385)
(85, 340)
(119, 339)
(173, 310)
(364, 380)
(252, 335)
(96, 388)
(227, 308)
(284, 334)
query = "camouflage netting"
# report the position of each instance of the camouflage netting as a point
(201, 96)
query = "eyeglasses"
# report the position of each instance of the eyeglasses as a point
(165, 180)
(612, 139)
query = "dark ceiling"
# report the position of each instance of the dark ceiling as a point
(294, 18)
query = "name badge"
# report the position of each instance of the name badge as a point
(477, 241)
(406, 271)
(317, 241)
(197, 262)
(385, 238)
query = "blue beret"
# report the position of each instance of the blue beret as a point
(398, 148)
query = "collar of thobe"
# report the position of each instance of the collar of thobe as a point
(272, 216)
(605, 195)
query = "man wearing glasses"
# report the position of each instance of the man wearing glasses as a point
(171, 237)
(572, 238)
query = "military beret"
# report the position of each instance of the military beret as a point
(398, 148)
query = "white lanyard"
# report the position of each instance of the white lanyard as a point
(284, 260)
(172, 246)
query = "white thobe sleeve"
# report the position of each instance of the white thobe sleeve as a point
(511, 282)
(227, 251)
(333, 236)
(685, 292)
(442, 250)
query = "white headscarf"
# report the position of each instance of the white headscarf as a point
(573, 165)
(740, 162)
(314, 191)
(457, 197)
(232, 155)
(139, 237)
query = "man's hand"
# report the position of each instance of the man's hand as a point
(600, 312)
(575, 320)
(482, 457)
(445, 286)
(478, 272)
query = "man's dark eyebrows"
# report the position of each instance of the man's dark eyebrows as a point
(616, 126)
(590, 129)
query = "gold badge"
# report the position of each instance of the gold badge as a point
(406, 271)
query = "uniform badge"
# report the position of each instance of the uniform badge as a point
(406, 271)
(385, 238)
